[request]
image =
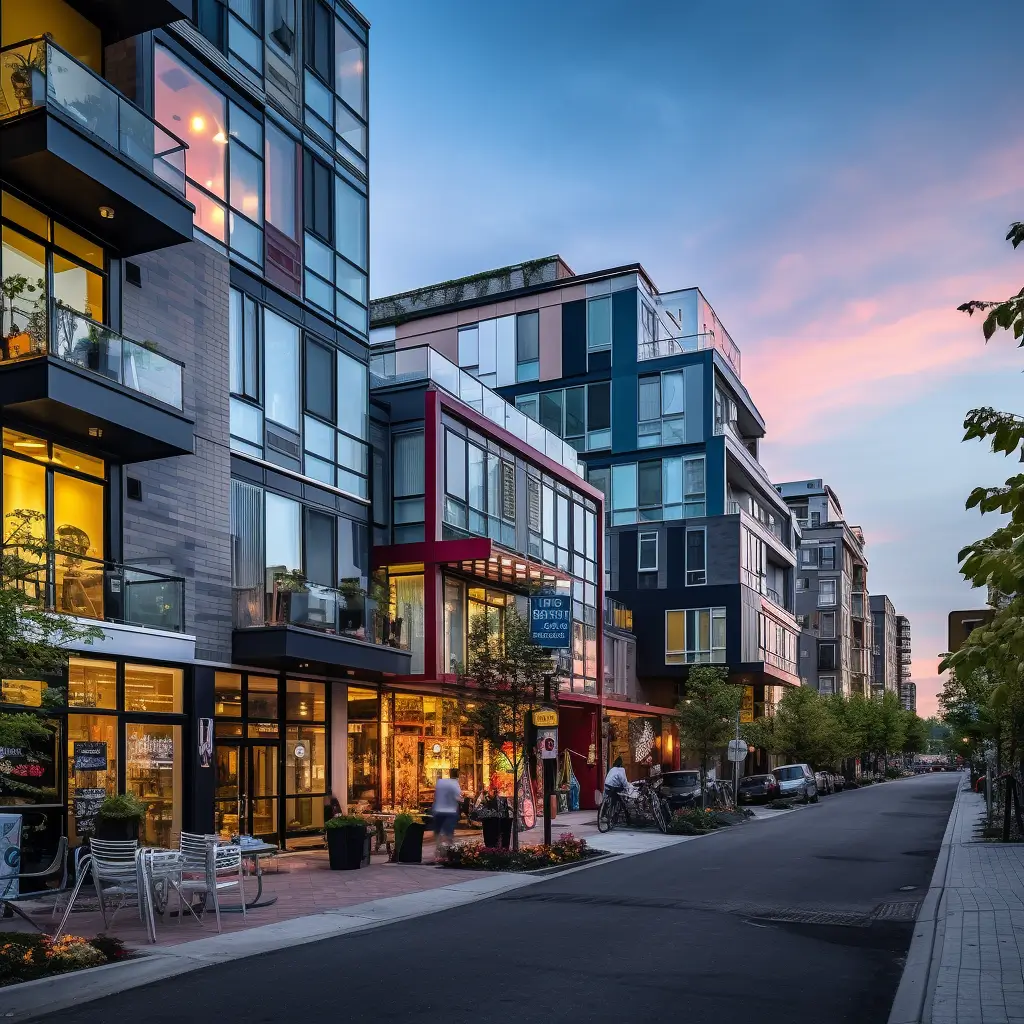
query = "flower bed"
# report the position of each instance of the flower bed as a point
(477, 857)
(692, 821)
(25, 956)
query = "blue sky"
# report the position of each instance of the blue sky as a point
(835, 177)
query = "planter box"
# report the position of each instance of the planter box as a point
(411, 851)
(497, 832)
(346, 847)
(113, 829)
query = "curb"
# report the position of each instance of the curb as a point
(909, 1005)
(32, 999)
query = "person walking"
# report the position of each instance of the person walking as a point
(445, 815)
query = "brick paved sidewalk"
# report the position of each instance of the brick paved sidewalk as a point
(977, 964)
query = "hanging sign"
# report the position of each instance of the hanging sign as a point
(551, 620)
(205, 742)
(547, 744)
(90, 756)
(545, 718)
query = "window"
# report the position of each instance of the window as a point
(316, 191)
(528, 349)
(827, 624)
(647, 552)
(826, 593)
(575, 413)
(281, 162)
(281, 369)
(696, 557)
(624, 491)
(281, 25)
(408, 488)
(695, 636)
(245, 157)
(455, 465)
(319, 380)
(350, 222)
(649, 402)
(599, 416)
(809, 557)
(826, 684)
(153, 689)
(349, 68)
(319, 36)
(649, 489)
(827, 556)
(551, 411)
(283, 550)
(599, 324)
(826, 657)
(803, 583)
(245, 346)
(693, 487)
(469, 357)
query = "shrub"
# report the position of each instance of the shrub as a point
(402, 823)
(477, 857)
(345, 819)
(693, 821)
(27, 956)
(780, 805)
(122, 807)
(893, 773)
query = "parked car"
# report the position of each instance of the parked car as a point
(838, 783)
(823, 780)
(797, 780)
(754, 789)
(680, 789)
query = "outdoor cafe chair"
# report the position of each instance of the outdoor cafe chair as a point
(117, 871)
(223, 869)
(160, 871)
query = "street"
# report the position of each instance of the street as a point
(800, 919)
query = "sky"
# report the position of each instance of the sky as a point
(835, 177)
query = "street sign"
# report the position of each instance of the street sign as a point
(547, 744)
(551, 620)
(546, 718)
(737, 750)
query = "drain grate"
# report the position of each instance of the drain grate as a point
(897, 911)
(813, 917)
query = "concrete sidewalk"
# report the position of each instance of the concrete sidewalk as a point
(965, 964)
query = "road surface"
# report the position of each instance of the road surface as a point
(801, 919)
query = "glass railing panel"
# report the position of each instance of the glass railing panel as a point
(156, 602)
(151, 146)
(151, 373)
(79, 340)
(471, 391)
(444, 373)
(82, 95)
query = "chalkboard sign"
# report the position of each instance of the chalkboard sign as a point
(87, 804)
(90, 756)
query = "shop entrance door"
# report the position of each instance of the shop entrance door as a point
(247, 789)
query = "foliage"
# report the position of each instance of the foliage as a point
(501, 684)
(402, 823)
(707, 714)
(122, 807)
(915, 734)
(341, 820)
(998, 560)
(25, 956)
(477, 857)
(692, 821)
(780, 805)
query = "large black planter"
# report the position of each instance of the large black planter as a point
(113, 829)
(497, 832)
(411, 850)
(345, 845)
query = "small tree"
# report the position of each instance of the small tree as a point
(915, 734)
(707, 714)
(891, 727)
(502, 683)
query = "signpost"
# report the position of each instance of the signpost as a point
(551, 627)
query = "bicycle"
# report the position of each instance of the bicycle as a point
(645, 806)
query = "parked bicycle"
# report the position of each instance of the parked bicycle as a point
(645, 808)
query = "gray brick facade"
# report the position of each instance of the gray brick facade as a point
(182, 524)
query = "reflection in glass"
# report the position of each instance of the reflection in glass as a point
(87, 788)
(153, 774)
(227, 695)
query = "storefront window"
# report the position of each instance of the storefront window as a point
(153, 774)
(92, 770)
(363, 748)
(227, 688)
(305, 772)
(407, 617)
(92, 684)
(153, 688)
(262, 697)
(28, 771)
(305, 701)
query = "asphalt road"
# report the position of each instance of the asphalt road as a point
(781, 921)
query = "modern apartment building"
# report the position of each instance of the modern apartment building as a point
(645, 386)
(184, 399)
(831, 592)
(885, 663)
(907, 688)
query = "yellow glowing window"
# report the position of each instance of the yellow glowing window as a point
(675, 633)
(77, 245)
(68, 458)
(26, 444)
(25, 216)
(153, 688)
(24, 500)
(92, 684)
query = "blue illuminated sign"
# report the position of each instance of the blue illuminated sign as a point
(551, 620)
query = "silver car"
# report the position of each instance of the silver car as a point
(797, 782)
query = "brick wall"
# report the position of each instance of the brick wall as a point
(182, 523)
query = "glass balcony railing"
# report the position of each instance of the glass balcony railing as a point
(674, 345)
(37, 73)
(422, 363)
(58, 330)
(324, 609)
(91, 588)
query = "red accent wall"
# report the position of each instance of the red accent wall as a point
(577, 730)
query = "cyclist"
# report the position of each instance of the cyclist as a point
(616, 784)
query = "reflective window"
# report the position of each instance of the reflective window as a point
(281, 355)
(282, 181)
(349, 68)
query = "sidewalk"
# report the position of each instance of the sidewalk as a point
(965, 964)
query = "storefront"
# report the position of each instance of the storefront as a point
(114, 726)
(642, 738)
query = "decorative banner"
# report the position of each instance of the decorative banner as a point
(10, 854)
(87, 804)
(527, 803)
(205, 742)
(90, 756)
(747, 705)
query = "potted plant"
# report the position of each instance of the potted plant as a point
(409, 832)
(496, 819)
(19, 341)
(292, 596)
(346, 841)
(119, 817)
(28, 75)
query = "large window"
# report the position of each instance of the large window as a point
(528, 347)
(480, 494)
(580, 415)
(695, 636)
(408, 490)
(661, 399)
(281, 155)
(599, 324)
(827, 592)
(670, 488)
(647, 552)
(281, 357)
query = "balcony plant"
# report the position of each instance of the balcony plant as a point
(28, 75)
(291, 596)
(30, 337)
(119, 817)
(347, 842)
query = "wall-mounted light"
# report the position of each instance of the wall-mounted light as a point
(107, 212)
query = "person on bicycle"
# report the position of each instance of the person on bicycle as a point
(616, 783)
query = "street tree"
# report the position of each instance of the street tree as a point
(501, 683)
(805, 728)
(707, 714)
(915, 734)
(890, 728)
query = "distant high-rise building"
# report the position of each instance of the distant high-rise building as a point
(884, 656)
(908, 689)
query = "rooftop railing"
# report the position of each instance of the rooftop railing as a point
(38, 73)
(422, 363)
(663, 347)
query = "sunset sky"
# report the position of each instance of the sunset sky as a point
(836, 178)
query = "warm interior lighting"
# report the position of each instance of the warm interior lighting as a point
(107, 212)
(28, 443)
(198, 123)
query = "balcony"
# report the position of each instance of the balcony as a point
(120, 19)
(90, 588)
(71, 140)
(61, 369)
(675, 345)
(302, 625)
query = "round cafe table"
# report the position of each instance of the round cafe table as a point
(255, 852)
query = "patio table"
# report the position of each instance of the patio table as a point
(256, 852)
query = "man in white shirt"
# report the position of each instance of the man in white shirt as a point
(616, 781)
(447, 801)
